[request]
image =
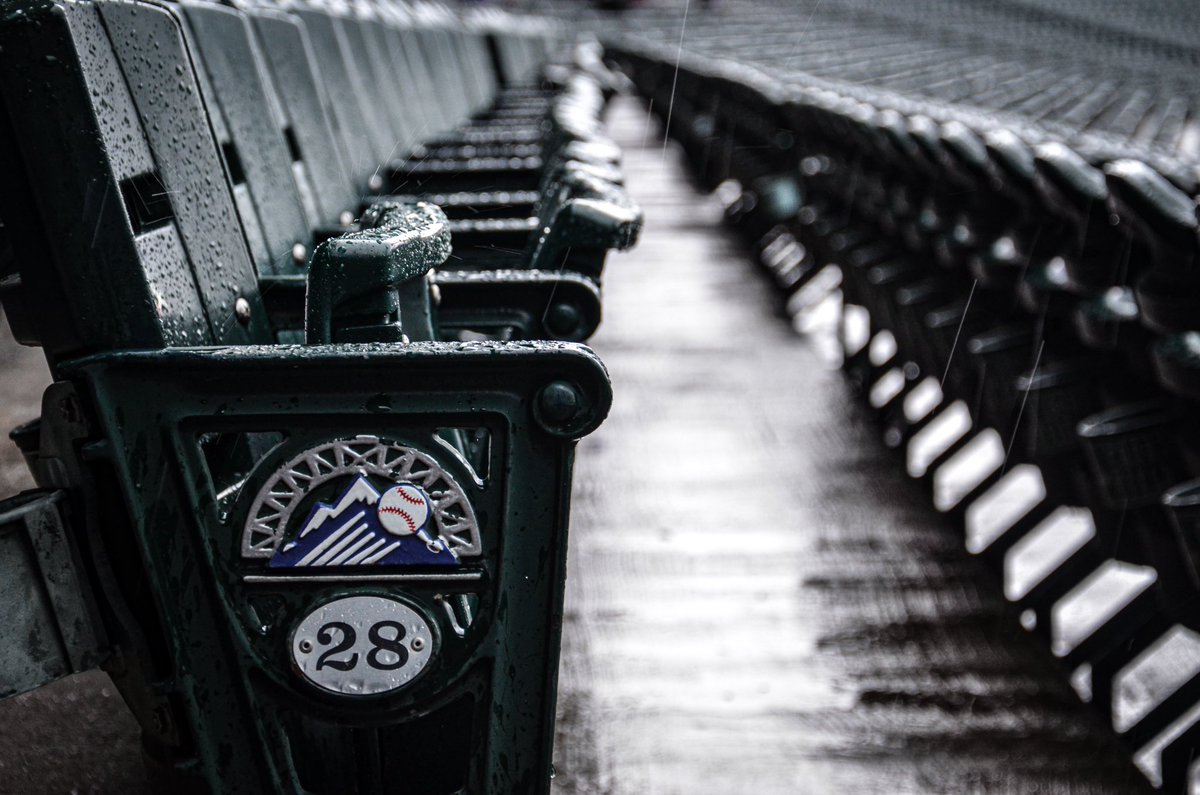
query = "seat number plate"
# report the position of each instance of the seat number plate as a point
(362, 645)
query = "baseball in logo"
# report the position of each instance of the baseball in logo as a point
(403, 509)
(360, 502)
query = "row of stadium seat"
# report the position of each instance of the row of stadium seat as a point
(1020, 310)
(253, 234)
(306, 146)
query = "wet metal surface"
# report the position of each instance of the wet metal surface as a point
(758, 601)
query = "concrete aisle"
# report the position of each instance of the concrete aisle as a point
(758, 602)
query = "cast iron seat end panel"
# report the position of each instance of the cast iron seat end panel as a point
(229, 611)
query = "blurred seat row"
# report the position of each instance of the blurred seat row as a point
(1016, 255)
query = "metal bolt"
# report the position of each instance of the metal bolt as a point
(417, 644)
(560, 402)
(306, 646)
(241, 308)
(562, 320)
(300, 254)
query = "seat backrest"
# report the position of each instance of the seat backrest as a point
(479, 84)
(344, 83)
(434, 45)
(392, 82)
(435, 116)
(316, 142)
(121, 215)
(276, 204)
(515, 54)
(384, 105)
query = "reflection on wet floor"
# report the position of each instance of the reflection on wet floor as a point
(758, 600)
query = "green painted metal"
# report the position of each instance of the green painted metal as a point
(228, 682)
(585, 212)
(529, 304)
(208, 672)
(228, 711)
(184, 257)
(357, 282)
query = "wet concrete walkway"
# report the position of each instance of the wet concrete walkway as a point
(758, 602)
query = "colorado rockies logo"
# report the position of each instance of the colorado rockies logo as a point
(361, 502)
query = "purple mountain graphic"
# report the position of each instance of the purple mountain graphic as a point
(348, 533)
